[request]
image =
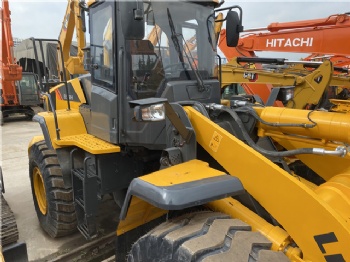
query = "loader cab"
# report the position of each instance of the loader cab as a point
(128, 70)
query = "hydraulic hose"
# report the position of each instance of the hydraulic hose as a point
(340, 151)
(198, 106)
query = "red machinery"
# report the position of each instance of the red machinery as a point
(323, 38)
(19, 91)
(10, 71)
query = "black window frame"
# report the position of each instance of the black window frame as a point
(108, 85)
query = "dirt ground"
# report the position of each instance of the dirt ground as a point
(16, 134)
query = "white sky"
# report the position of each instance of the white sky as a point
(43, 19)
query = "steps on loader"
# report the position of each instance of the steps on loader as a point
(85, 185)
(89, 143)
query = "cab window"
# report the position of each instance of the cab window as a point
(102, 46)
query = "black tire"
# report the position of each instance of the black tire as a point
(58, 218)
(203, 236)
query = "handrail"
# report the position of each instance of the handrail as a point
(54, 114)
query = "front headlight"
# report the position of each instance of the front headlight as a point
(154, 112)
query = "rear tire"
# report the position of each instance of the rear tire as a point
(53, 202)
(203, 236)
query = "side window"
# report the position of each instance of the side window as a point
(190, 43)
(102, 47)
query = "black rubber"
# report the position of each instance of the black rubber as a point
(60, 218)
(203, 236)
(8, 225)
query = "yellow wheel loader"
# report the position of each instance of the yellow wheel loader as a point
(148, 126)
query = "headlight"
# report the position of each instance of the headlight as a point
(154, 112)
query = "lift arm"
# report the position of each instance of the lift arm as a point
(304, 213)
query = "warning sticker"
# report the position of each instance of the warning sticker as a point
(215, 141)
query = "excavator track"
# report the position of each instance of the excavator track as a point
(9, 230)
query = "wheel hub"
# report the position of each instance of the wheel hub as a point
(39, 190)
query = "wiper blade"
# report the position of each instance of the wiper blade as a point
(174, 38)
(201, 87)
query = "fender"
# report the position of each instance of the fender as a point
(185, 185)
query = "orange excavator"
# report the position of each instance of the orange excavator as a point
(19, 91)
(322, 38)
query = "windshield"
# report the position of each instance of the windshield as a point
(176, 45)
(29, 84)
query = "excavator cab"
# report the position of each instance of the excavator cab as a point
(29, 91)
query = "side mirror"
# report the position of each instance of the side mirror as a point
(233, 28)
(132, 21)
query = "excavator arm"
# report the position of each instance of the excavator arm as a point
(309, 84)
(323, 36)
(320, 36)
(72, 21)
(10, 71)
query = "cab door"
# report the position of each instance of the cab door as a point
(104, 92)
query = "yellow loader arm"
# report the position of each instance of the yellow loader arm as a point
(320, 229)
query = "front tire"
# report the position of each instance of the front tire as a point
(203, 236)
(53, 202)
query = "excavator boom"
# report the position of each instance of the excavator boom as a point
(19, 91)
(72, 21)
(324, 36)
(10, 71)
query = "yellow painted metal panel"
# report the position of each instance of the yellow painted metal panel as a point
(70, 122)
(139, 213)
(301, 212)
(89, 143)
(193, 170)
(35, 140)
(73, 133)
(62, 104)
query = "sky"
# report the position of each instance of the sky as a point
(43, 19)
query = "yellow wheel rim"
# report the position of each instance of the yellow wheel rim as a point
(39, 190)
